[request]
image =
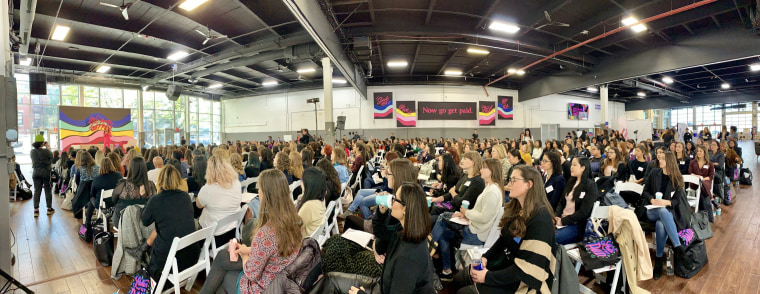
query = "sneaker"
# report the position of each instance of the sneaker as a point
(446, 277)
(346, 214)
(36, 212)
(50, 211)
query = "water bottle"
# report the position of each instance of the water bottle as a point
(477, 264)
(669, 264)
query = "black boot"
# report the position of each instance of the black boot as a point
(658, 263)
(139, 251)
(683, 259)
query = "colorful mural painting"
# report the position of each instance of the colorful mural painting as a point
(383, 105)
(506, 109)
(91, 126)
(406, 114)
(486, 113)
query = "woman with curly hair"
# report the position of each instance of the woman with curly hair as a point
(282, 163)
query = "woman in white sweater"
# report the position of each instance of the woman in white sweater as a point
(482, 216)
(537, 151)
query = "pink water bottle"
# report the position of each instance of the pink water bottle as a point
(233, 248)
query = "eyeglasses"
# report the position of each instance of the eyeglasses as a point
(399, 201)
(512, 180)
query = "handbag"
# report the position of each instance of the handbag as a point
(697, 253)
(595, 228)
(701, 225)
(85, 233)
(103, 247)
(600, 252)
(141, 282)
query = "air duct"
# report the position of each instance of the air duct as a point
(666, 92)
(304, 51)
(27, 10)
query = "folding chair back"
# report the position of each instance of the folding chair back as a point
(247, 182)
(171, 269)
(236, 218)
(693, 195)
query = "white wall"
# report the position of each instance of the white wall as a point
(290, 112)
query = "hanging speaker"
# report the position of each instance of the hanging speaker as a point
(341, 124)
(173, 92)
(37, 84)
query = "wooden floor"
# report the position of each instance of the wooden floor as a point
(50, 258)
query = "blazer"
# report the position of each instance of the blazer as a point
(554, 187)
(679, 206)
(583, 206)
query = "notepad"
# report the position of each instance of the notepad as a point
(653, 206)
(358, 237)
(461, 221)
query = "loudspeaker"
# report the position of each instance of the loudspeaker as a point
(173, 92)
(341, 125)
(37, 84)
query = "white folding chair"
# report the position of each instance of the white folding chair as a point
(171, 270)
(294, 186)
(323, 232)
(102, 206)
(693, 195)
(574, 253)
(629, 187)
(247, 182)
(14, 191)
(332, 223)
(357, 184)
(236, 218)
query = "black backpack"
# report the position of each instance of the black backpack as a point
(745, 177)
(697, 253)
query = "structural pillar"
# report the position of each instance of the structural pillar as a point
(604, 97)
(328, 100)
(8, 121)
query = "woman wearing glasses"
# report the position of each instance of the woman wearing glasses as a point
(554, 182)
(575, 207)
(482, 216)
(401, 245)
(520, 260)
(614, 165)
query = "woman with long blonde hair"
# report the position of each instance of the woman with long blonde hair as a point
(296, 165)
(220, 197)
(340, 162)
(236, 160)
(132, 153)
(275, 245)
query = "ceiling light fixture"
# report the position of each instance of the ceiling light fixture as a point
(504, 27)
(215, 86)
(453, 73)
(641, 94)
(755, 67)
(269, 83)
(397, 63)
(103, 68)
(725, 86)
(177, 55)
(305, 70)
(189, 5)
(632, 20)
(511, 70)
(477, 51)
(520, 72)
(60, 32)
(592, 89)
(25, 61)
(667, 80)
(339, 81)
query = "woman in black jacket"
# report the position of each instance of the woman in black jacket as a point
(521, 259)
(554, 182)
(575, 207)
(468, 188)
(402, 246)
(253, 166)
(107, 180)
(449, 175)
(198, 179)
(614, 165)
(682, 159)
(664, 188)
(41, 169)
(718, 160)
(514, 158)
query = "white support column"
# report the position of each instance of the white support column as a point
(6, 72)
(604, 97)
(140, 133)
(329, 136)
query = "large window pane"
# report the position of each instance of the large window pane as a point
(217, 107)
(70, 95)
(194, 138)
(130, 99)
(193, 122)
(91, 97)
(134, 113)
(53, 95)
(738, 107)
(163, 119)
(215, 138)
(217, 120)
(193, 104)
(24, 98)
(204, 106)
(148, 121)
(205, 138)
(708, 116)
(179, 120)
(149, 139)
(162, 102)
(49, 117)
(740, 121)
(148, 102)
(204, 123)
(179, 105)
(110, 97)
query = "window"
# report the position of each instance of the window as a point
(70, 95)
(710, 118)
(112, 98)
(681, 115)
(740, 121)
(738, 107)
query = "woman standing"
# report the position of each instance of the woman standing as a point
(401, 246)
(42, 161)
(554, 182)
(664, 187)
(521, 257)
(275, 245)
(575, 208)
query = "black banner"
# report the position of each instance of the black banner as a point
(448, 111)
(383, 105)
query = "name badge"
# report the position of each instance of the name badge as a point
(583, 194)
(467, 184)
(691, 156)
(671, 194)
(705, 166)
(683, 162)
(641, 168)
(549, 189)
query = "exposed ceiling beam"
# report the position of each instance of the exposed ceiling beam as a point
(686, 26)
(590, 23)
(715, 20)
(503, 68)
(380, 55)
(476, 65)
(314, 20)
(712, 46)
(488, 13)
(255, 17)
(704, 99)
(537, 16)
(430, 11)
(448, 59)
(347, 2)
(371, 11)
(712, 73)
(414, 59)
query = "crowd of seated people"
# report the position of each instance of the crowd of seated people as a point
(545, 192)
